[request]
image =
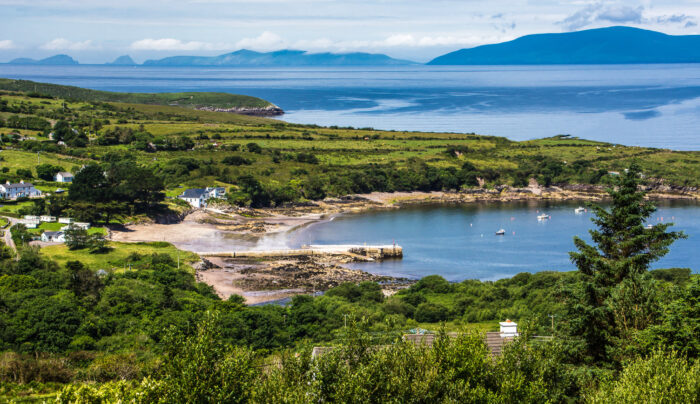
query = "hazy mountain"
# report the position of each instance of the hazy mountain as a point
(125, 60)
(594, 46)
(246, 57)
(53, 60)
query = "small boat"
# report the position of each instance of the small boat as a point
(579, 210)
(543, 216)
(501, 232)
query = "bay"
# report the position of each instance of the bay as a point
(640, 105)
(458, 242)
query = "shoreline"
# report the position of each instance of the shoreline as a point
(272, 278)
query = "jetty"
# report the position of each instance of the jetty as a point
(359, 252)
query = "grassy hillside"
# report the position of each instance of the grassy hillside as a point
(295, 162)
(189, 99)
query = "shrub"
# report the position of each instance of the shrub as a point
(431, 313)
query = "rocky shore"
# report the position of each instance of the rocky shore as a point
(270, 110)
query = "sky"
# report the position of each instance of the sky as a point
(96, 31)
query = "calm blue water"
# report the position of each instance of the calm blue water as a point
(459, 242)
(643, 105)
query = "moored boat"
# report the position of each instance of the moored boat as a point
(501, 232)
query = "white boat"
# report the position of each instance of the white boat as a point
(501, 232)
(579, 210)
(543, 216)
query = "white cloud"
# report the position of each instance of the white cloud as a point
(266, 40)
(64, 44)
(7, 44)
(170, 44)
(392, 41)
(605, 13)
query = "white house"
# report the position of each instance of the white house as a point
(53, 237)
(22, 189)
(509, 329)
(65, 220)
(47, 218)
(63, 177)
(31, 218)
(82, 225)
(198, 197)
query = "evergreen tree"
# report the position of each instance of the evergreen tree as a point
(614, 295)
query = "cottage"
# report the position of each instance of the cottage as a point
(53, 237)
(63, 177)
(20, 190)
(197, 197)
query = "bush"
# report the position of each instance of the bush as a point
(235, 161)
(433, 283)
(662, 378)
(431, 313)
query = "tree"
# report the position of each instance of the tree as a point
(76, 238)
(612, 296)
(90, 184)
(201, 368)
(47, 172)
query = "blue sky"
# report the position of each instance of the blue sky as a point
(94, 31)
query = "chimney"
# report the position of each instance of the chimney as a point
(509, 329)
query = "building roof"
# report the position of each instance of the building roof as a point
(64, 174)
(52, 234)
(193, 193)
(18, 185)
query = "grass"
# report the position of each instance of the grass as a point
(55, 226)
(11, 208)
(191, 99)
(116, 258)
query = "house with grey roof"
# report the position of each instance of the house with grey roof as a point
(53, 237)
(63, 176)
(197, 197)
(19, 190)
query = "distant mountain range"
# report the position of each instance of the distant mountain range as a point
(243, 57)
(612, 45)
(246, 57)
(57, 60)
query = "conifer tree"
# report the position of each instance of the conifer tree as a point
(613, 295)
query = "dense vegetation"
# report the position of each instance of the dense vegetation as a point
(152, 333)
(217, 100)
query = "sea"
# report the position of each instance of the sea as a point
(637, 105)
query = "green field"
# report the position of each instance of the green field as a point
(117, 258)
